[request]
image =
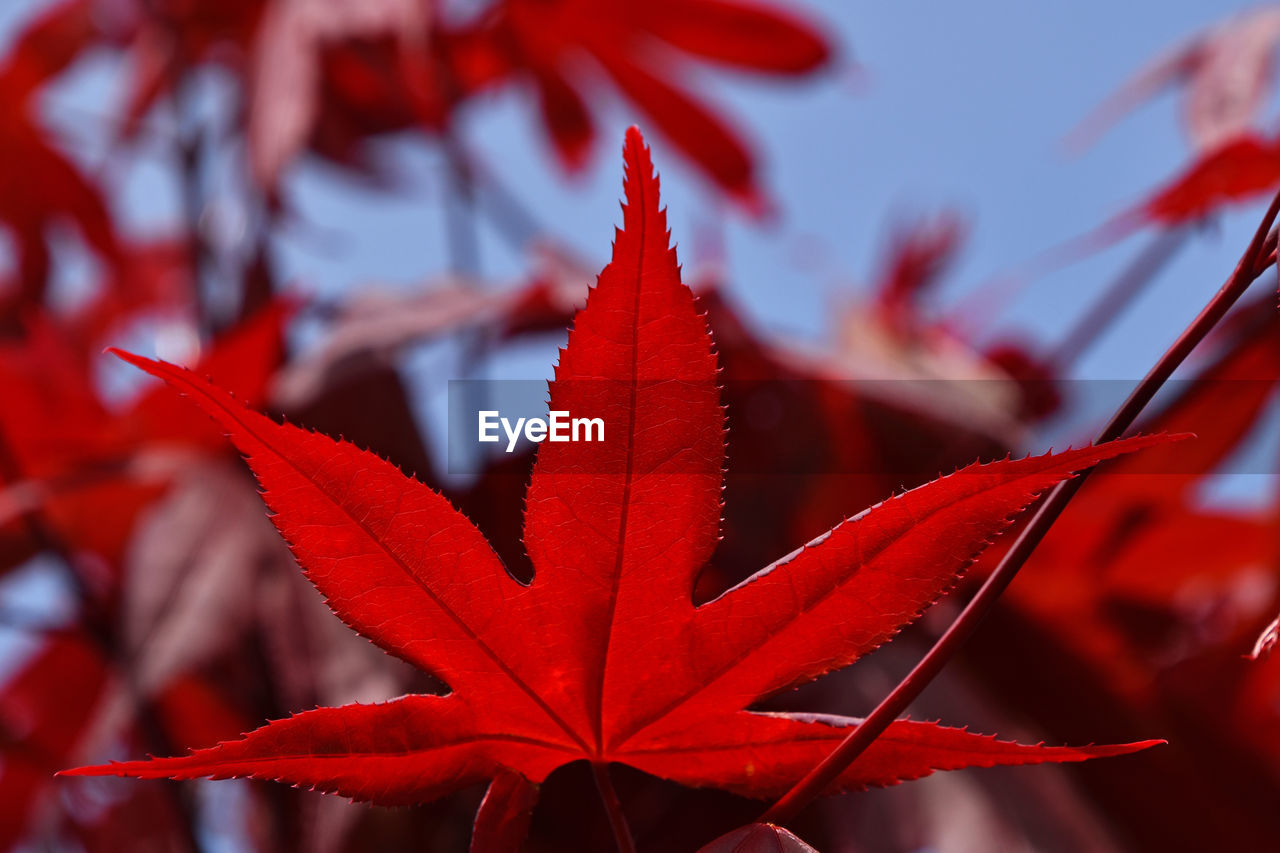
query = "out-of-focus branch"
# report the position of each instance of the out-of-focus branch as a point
(1125, 288)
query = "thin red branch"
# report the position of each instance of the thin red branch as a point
(1256, 259)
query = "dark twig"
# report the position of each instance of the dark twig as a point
(612, 806)
(188, 153)
(460, 219)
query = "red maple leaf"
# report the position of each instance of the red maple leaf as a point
(603, 657)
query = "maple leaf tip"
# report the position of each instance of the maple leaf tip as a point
(138, 361)
(90, 770)
(635, 137)
(638, 160)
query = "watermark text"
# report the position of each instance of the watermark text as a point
(557, 426)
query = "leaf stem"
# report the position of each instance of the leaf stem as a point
(613, 808)
(1256, 259)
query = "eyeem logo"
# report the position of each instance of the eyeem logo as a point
(557, 426)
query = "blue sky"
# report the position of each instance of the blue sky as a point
(960, 105)
(955, 105)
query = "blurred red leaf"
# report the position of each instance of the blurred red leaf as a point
(1149, 599)
(245, 358)
(1227, 74)
(48, 44)
(1136, 536)
(1221, 405)
(172, 36)
(333, 75)
(746, 34)
(637, 44)
(44, 711)
(48, 188)
(1238, 170)
(86, 472)
(286, 71)
(150, 280)
(916, 257)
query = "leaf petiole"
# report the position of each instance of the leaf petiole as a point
(613, 808)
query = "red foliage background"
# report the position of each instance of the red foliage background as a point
(171, 615)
